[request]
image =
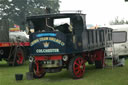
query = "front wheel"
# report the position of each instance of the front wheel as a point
(37, 69)
(77, 67)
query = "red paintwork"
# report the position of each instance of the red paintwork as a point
(20, 58)
(99, 55)
(5, 44)
(8, 44)
(40, 58)
(79, 67)
(38, 69)
(96, 55)
(79, 63)
(23, 44)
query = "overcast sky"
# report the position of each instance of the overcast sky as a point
(98, 11)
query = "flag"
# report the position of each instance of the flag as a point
(16, 26)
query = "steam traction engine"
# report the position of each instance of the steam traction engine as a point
(63, 41)
(13, 48)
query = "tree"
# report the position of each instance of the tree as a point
(17, 10)
(118, 22)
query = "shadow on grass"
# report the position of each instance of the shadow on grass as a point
(59, 76)
(4, 64)
(65, 75)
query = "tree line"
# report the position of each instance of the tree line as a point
(16, 11)
(117, 21)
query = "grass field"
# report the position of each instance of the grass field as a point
(107, 76)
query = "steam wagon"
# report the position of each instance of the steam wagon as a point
(63, 41)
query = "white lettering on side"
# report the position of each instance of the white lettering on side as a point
(47, 50)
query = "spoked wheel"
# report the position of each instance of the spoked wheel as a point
(99, 62)
(77, 67)
(19, 57)
(37, 69)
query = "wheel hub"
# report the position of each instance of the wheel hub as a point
(81, 67)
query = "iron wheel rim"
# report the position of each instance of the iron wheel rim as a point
(79, 67)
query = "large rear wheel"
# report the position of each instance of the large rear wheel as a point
(77, 67)
(17, 58)
(99, 62)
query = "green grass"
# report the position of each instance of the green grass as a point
(92, 76)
